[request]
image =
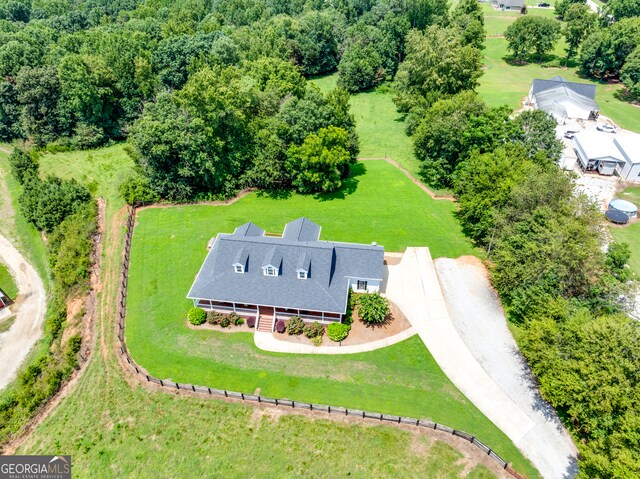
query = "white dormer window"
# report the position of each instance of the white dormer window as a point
(238, 268)
(270, 271)
(302, 275)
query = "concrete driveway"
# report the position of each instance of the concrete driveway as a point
(514, 406)
(16, 343)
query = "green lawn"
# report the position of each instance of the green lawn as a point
(101, 171)
(630, 234)
(114, 429)
(384, 206)
(380, 127)
(7, 283)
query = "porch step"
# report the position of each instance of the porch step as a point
(265, 324)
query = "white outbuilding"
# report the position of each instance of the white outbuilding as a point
(564, 99)
(609, 154)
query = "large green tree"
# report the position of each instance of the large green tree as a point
(322, 161)
(532, 35)
(605, 51)
(580, 21)
(437, 64)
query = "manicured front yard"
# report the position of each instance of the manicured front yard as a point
(380, 205)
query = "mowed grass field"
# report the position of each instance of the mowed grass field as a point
(7, 283)
(113, 429)
(380, 127)
(630, 234)
(169, 245)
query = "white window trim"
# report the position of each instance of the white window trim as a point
(270, 271)
(238, 268)
(302, 274)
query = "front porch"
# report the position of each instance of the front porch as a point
(266, 316)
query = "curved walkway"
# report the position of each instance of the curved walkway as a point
(16, 343)
(268, 342)
(413, 285)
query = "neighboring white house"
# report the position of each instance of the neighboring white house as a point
(512, 5)
(564, 99)
(609, 154)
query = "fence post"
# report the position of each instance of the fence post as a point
(161, 383)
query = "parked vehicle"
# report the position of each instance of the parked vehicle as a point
(544, 5)
(606, 128)
(570, 134)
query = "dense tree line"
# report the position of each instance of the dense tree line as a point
(565, 289)
(212, 95)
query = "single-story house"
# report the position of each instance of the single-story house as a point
(564, 99)
(609, 154)
(512, 5)
(295, 274)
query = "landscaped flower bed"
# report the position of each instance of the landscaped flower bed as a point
(230, 322)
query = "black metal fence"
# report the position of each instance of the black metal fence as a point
(122, 303)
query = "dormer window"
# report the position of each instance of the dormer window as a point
(270, 271)
(238, 268)
(302, 274)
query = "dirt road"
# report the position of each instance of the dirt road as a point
(16, 343)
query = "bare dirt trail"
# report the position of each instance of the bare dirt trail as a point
(16, 343)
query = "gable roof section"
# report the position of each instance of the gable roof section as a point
(302, 229)
(584, 89)
(597, 146)
(325, 289)
(248, 229)
(629, 146)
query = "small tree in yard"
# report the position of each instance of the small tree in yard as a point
(373, 308)
(196, 316)
(338, 331)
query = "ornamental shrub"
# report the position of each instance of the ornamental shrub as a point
(373, 308)
(280, 326)
(314, 330)
(251, 321)
(316, 340)
(214, 317)
(235, 319)
(338, 331)
(295, 325)
(196, 316)
(225, 322)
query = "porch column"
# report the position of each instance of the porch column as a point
(234, 307)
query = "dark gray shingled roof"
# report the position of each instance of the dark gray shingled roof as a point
(329, 266)
(585, 89)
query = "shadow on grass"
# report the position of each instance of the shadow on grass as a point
(349, 185)
(275, 194)
(626, 96)
(545, 61)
